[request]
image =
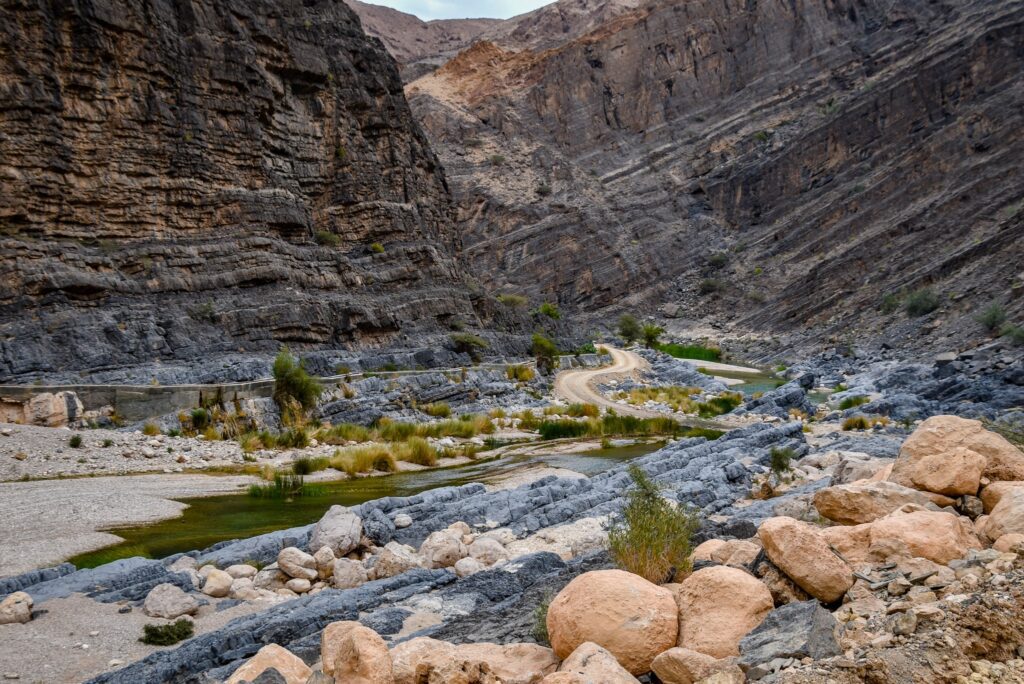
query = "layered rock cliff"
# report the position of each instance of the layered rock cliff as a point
(768, 166)
(179, 180)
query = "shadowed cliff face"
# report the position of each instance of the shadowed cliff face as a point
(829, 152)
(182, 179)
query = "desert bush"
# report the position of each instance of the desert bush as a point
(856, 423)
(720, 405)
(519, 373)
(540, 621)
(852, 402)
(327, 238)
(363, 459)
(629, 329)
(75, 442)
(651, 333)
(652, 538)
(709, 286)
(467, 343)
(543, 189)
(779, 461)
(496, 159)
(560, 429)
(921, 302)
(167, 635)
(993, 317)
(437, 410)
(890, 303)
(583, 411)
(199, 419)
(416, 450)
(718, 260)
(545, 352)
(550, 310)
(285, 486)
(108, 442)
(691, 351)
(150, 429)
(344, 432)
(295, 391)
(1014, 333)
(293, 438)
(377, 248)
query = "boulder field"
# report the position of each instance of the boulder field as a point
(836, 577)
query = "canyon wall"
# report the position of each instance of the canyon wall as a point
(182, 179)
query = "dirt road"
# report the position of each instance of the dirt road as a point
(578, 386)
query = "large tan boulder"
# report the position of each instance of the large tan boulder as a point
(168, 601)
(735, 552)
(862, 502)
(802, 552)
(340, 529)
(953, 471)
(1013, 541)
(442, 549)
(281, 659)
(296, 563)
(718, 606)
(908, 532)
(591, 664)
(684, 666)
(428, 660)
(348, 574)
(16, 608)
(394, 559)
(355, 654)
(940, 435)
(632, 618)
(1007, 516)
(993, 492)
(936, 535)
(217, 583)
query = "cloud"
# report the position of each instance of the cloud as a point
(462, 9)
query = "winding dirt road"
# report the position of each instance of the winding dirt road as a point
(578, 386)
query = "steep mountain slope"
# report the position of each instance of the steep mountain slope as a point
(212, 176)
(416, 44)
(768, 166)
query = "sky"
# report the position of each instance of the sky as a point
(462, 9)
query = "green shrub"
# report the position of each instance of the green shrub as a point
(285, 486)
(780, 461)
(75, 442)
(890, 303)
(993, 317)
(292, 438)
(108, 443)
(416, 450)
(852, 402)
(437, 410)
(709, 286)
(692, 351)
(363, 459)
(200, 419)
(377, 248)
(629, 329)
(496, 159)
(513, 300)
(1015, 333)
(583, 411)
(651, 333)
(550, 310)
(560, 429)
(327, 238)
(652, 538)
(545, 351)
(167, 635)
(294, 388)
(467, 343)
(718, 260)
(921, 302)
(307, 465)
(543, 189)
(150, 429)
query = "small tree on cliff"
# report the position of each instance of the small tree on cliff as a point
(545, 351)
(651, 334)
(295, 392)
(629, 329)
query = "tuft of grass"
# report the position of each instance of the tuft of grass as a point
(1014, 333)
(363, 459)
(467, 343)
(545, 352)
(890, 303)
(377, 248)
(108, 443)
(717, 406)
(292, 438)
(993, 317)
(167, 635)
(652, 538)
(416, 450)
(710, 286)
(718, 260)
(692, 351)
(612, 425)
(852, 402)
(295, 391)
(285, 486)
(540, 621)
(921, 302)
(512, 300)
(864, 422)
(437, 409)
(75, 442)
(780, 459)
(151, 429)
(307, 465)
(583, 411)
(210, 434)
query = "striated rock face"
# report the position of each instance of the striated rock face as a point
(831, 152)
(212, 176)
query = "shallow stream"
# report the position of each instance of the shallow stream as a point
(213, 519)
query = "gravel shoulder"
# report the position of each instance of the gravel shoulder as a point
(47, 521)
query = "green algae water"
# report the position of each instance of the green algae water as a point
(213, 519)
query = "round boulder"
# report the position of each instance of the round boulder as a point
(297, 563)
(718, 606)
(217, 584)
(168, 601)
(801, 551)
(487, 550)
(348, 574)
(17, 608)
(353, 653)
(623, 613)
(940, 435)
(339, 529)
(442, 549)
